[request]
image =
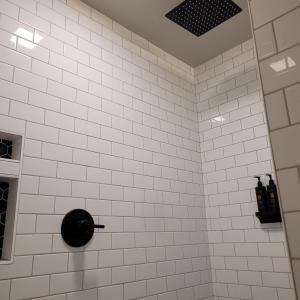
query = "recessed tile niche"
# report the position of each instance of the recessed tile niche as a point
(10, 170)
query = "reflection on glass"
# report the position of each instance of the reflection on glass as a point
(283, 64)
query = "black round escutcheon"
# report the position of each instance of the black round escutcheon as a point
(78, 227)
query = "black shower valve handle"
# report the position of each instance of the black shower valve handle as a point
(84, 224)
(97, 226)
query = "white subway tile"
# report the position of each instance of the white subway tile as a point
(80, 7)
(270, 80)
(98, 145)
(111, 162)
(85, 189)
(9, 9)
(76, 55)
(88, 100)
(6, 72)
(122, 240)
(48, 42)
(5, 289)
(65, 282)
(96, 278)
(101, 41)
(33, 244)
(26, 112)
(111, 134)
(283, 140)
(122, 150)
(46, 70)
(26, 224)
(59, 120)
(14, 26)
(122, 178)
(30, 80)
(50, 15)
(8, 40)
(156, 286)
(122, 208)
(75, 81)
(50, 263)
(29, 287)
(265, 41)
(89, 73)
(70, 171)
(13, 91)
(111, 292)
(57, 187)
(264, 293)
(15, 58)
(291, 98)
(123, 274)
(62, 35)
(88, 295)
(134, 290)
(65, 10)
(60, 90)
(87, 128)
(34, 21)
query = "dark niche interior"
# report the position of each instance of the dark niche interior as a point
(4, 186)
(5, 149)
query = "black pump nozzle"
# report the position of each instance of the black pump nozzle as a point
(271, 179)
(259, 182)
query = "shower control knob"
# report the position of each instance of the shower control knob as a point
(78, 227)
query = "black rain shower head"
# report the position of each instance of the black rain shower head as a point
(200, 16)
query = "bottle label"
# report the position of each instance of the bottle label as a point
(272, 196)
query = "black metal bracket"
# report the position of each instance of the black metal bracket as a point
(78, 227)
(269, 217)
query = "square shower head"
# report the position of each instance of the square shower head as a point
(200, 16)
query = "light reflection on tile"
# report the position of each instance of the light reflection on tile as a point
(281, 70)
(26, 44)
(22, 32)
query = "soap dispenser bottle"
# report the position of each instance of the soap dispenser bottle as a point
(261, 196)
(272, 195)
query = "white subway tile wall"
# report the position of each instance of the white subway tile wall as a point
(281, 91)
(159, 152)
(248, 260)
(110, 125)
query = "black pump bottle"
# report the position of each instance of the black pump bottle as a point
(261, 196)
(272, 194)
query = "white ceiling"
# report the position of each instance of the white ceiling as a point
(147, 18)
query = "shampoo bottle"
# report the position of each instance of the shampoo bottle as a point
(272, 195)
(261, 196)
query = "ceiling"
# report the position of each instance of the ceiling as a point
(147, 19)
